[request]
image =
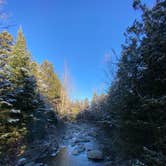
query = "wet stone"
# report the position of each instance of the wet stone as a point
(22, 161)
(79, 149)
(82, 140)
(95, 155)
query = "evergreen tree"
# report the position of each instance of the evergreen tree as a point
(20, 60)
(9, 133)
(50, 83)
(137, 96)
(94, 101)
(6, 42)
(23, 111)
(24, 91)
(86, 103)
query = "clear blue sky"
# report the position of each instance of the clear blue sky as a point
(80, 32)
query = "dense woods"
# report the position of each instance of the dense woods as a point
(33, 97)
(134, 107)
(24, 92)
(137, 96)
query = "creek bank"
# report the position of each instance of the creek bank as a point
(39, 150)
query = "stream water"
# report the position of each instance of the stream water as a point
(75, 144)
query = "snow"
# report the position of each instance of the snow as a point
(13, 120)
(24, 69)
(31, 115)
(131, 91)
(44, 85)
(9, 100)
(4, 135)
(15, 111)
(5, 102)
(141, 68)
(129, 75)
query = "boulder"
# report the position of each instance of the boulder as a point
(22, 161)
(95, 155)
(79, 149)
(78, 140)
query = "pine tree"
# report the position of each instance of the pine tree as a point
(20, 60)
(86, 103)
(50, 83)
(9, 133)
(23, 111)
(24, 91)
(6, 42)
(94, 102)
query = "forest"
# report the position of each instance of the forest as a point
(125, 126)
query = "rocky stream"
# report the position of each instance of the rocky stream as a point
(79, 144)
